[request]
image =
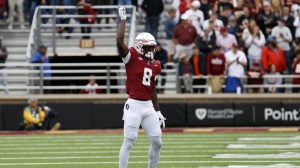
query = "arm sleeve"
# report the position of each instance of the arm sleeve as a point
(29, 118)
(224, 65)
(165, 57)
(42, 113)
(36, 58)
(264, 55)
(261, 41)
(167, 28)
(279, 79)
(244, 57)
(127, 58)
(208, 64)
(248, 41)
(288, 35)
(283, 59)
(296, 22)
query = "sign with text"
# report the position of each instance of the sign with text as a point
(87, 43)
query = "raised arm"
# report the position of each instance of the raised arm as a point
(122, 47)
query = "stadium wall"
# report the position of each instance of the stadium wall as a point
(100, 112)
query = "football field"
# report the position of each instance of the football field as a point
(185, 150)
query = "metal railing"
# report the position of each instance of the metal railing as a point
(111, 77)
(75, 76)
(44, 31)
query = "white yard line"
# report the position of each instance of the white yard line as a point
(143, 162)
(135, 151)
(286, 155)
(31, 144)
(295, 138)
(254, 166)
(100, 157)
(106, 147)
(264, 146)
(112, 139)
(166, 135)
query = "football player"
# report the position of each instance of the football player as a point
(141, 108)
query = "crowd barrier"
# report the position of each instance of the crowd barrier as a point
(91, 114)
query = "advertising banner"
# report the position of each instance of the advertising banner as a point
(218, 114)
(277, 114)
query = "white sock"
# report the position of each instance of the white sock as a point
(124, 152)
(154, 151)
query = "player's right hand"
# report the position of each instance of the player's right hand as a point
(122, 12)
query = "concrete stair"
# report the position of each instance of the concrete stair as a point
(16, 43)
(17, 39)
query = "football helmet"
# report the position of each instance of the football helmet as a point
(145, 45)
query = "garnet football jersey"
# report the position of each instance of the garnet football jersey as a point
(141, 75)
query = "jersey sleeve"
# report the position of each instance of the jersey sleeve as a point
(127, 58)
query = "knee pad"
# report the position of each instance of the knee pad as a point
(156, 142)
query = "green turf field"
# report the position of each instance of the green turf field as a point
(179, 150)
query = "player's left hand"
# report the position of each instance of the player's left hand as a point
(122, 12)
(161, 119)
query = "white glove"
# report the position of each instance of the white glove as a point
(161, 119)
(122, 12)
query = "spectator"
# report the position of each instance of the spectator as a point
(38, 118)
(66, 20)
(255, 42)
(273, 79)
(170, 25)
(273, 54)
(152, 15)
(223, 4)
(215, 67)
(297, 24)
(224, 15)
(41, 56)
(184, 37)
(2, 9)
(12, 4)
(249, 30)
(232, 26)
(207, 40)
(162, 56)
(236, 64)
(255, 77)
(296, 68)
(87, 10)
(198, 62)
(238, 8)
(266, 20)
(225, 40)
(257, 8)
(296, 44)
(182, 5)
(103, 11)
(289, 19)
(92, 87)
(217, 24)
(3, 74)
(277, 7)
(34, 5)
(244, 19)
(185, 71)
(284, 37)
(205, 8)
(196, 16)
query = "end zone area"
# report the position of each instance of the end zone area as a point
(189, 148)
